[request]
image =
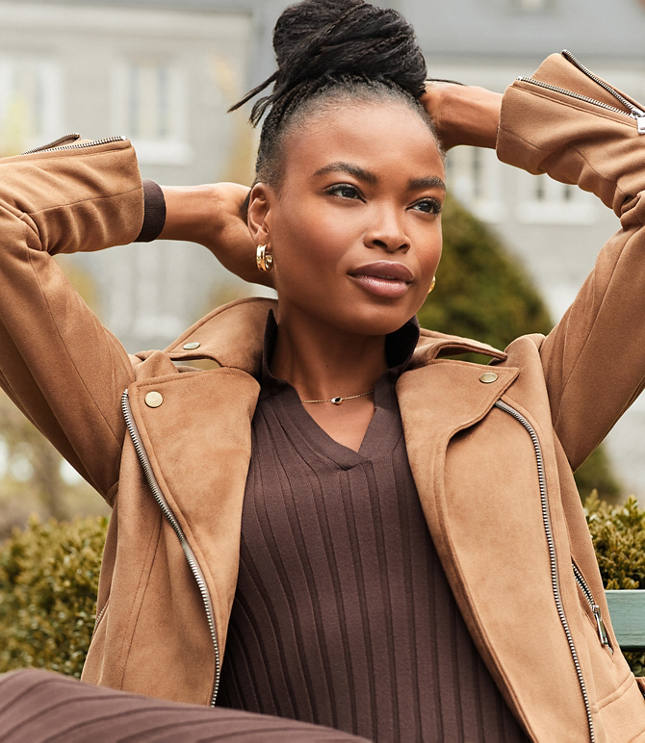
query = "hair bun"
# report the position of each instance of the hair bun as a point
(331, 38)
(321, 42)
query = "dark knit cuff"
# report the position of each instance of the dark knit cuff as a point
(154, 212)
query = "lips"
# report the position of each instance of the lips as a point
(388, 270)
(387, 279)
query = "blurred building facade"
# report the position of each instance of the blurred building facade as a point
(163, 72)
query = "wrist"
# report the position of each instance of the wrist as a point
(190, 213)
(464, 114)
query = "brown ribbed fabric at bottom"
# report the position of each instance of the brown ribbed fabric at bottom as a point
(343, 615)
(43, 707)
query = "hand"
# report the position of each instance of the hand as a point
(230, 241)
(463, 114)
(214, 216)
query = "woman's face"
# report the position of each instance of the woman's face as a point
(355, 228)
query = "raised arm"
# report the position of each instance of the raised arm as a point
(214, 215)
(62, 368)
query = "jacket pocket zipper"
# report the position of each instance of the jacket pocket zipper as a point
(632, 110)
(193, 564)
(69, 142)
(595, 609)
(555, 580)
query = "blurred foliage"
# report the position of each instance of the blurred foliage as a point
(482, 292)
(48, 584)
(618, 534)
(596, 474)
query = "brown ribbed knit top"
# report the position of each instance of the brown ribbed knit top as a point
(343, 615)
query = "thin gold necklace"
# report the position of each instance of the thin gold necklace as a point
(338, 400)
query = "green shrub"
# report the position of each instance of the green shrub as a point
(48, 583)
(618, 534)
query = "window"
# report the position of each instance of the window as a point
(150, 108)
(473, 175)
(30, 102)
(548, 201)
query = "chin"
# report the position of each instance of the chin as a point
(375, 320)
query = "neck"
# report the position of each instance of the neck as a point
(321, 361)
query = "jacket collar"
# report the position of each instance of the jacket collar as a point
(233, 336)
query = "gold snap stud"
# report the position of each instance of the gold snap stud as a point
(191, 346)
(488, 377)
(153, 399)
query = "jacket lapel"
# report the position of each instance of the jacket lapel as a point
(436, 401)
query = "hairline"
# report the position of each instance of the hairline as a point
(330, 98)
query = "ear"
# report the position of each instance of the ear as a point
(259, 213)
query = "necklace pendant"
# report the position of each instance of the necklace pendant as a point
(336, 400)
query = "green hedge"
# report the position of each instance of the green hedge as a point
(48, 582)
(49, 576)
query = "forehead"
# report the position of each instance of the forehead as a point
(382, 136)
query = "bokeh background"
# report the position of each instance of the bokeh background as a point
(163, 72)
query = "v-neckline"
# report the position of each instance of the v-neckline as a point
(380, 436)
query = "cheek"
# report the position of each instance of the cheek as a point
(430, 253)
(311, 236)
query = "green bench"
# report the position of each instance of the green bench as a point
(627, 609)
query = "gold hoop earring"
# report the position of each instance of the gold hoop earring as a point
(263, 259)
(433, 283)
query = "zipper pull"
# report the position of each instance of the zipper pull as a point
(600, 626)
(640, 120)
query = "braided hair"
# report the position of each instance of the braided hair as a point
(331, 50)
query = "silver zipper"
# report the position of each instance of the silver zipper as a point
(170, 517)
(636, 112)
(65, 139)
(633, 111)
(555, 581)
(595, 609)
(99, 616)
(55, 146)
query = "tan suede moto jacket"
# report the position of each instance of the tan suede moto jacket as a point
(490, 447)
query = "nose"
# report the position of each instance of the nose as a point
(387, 232)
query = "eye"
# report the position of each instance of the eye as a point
(344, 191)
(428, 206)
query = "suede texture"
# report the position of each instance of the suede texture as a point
(474, 465)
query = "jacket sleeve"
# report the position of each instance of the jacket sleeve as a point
(594, 358)
(60, 366)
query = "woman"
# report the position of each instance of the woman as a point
(308, 502)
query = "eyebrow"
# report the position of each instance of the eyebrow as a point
(414, 184)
